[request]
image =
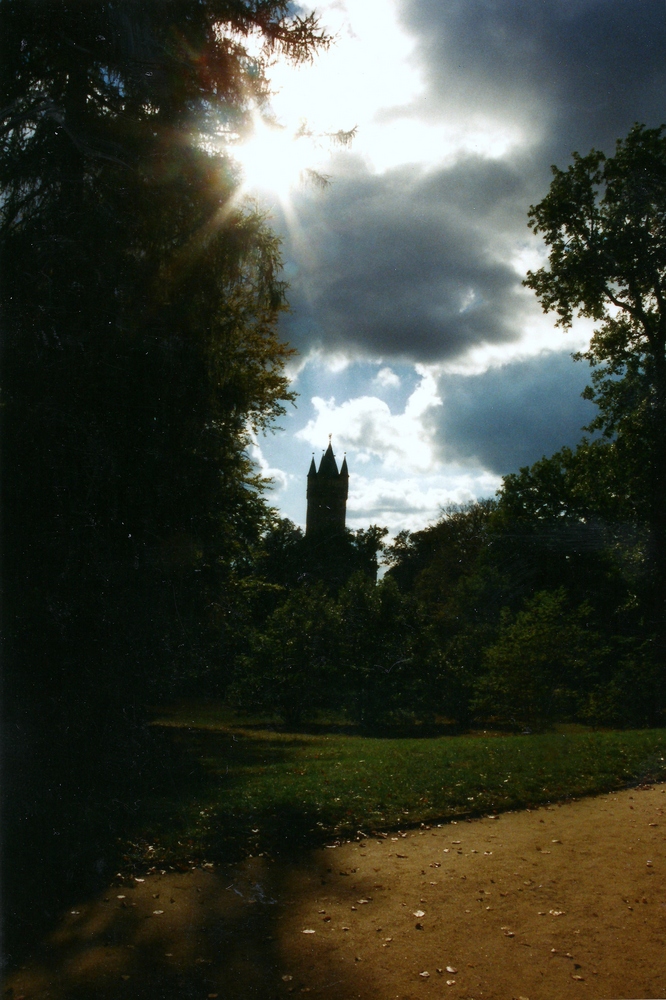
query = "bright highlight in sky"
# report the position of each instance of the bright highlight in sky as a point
(274, 158)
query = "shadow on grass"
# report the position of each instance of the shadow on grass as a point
(209, 767)
(71, 799)
(78, 810)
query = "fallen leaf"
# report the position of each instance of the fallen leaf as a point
(445, 851)
(326, 919)
(450, 982)
(345, 928)
(450, 968)
(287, 979)
(579, 978)
(487, 852)
(362, 901)
(419, 927)
(556, 841)
(168, 954)
(456, 841)
(419, 913)
(424, 975)
(139, 879)
(120, 897)
(158, 911)
(557, 913)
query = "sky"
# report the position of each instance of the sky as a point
(418, 348)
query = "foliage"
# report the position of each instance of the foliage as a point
(291, 664)
(566, 522)
(430, 562)
(366, 652)
(140, 302)
(287, 557)
(604, 221)
(387, 655)
(543, 660)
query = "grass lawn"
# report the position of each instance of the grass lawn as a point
(248, 787)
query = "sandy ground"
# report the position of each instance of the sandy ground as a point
(564, 901)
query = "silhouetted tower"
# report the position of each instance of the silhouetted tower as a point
(327, 497)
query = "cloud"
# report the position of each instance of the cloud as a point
(279, 478)
(387, 378)
(571, 72)
(409, 265)
(416, 259)
(511, 416)
(409, 503)
(367, 425)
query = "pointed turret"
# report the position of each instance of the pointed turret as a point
(313, 468)
(344, 471)
(328, 466)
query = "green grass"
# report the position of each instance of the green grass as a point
(243, 787)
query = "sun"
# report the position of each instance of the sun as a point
(273, 159)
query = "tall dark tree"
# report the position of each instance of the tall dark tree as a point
(604, 221)
(139, 310)
(139, 306)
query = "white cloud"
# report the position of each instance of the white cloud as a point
(366, 425)
(387, 377)
(411, 503)
(279, 477)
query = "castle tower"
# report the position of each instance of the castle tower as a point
(327, 497)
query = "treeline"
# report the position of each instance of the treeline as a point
(518, 611)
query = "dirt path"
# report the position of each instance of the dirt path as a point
(565, 901)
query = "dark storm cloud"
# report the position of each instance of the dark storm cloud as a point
(417, 266)
(401, 265)
(583, 71)
(511, 416)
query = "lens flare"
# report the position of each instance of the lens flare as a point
(273, 159)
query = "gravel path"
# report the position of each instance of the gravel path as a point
(563, 901)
